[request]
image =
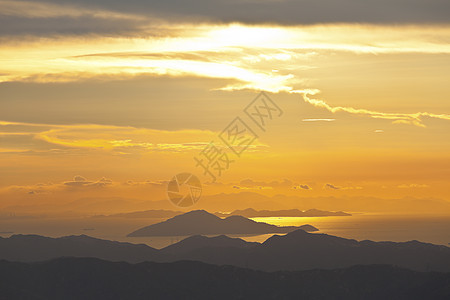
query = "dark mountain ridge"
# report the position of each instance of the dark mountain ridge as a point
(297, 250)
(88, 278)
(38, 248)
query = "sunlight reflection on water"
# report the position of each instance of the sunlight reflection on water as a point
(376, 227)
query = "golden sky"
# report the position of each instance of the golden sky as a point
(101, 100)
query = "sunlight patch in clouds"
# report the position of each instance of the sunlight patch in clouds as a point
(67, 59)
(244, 53)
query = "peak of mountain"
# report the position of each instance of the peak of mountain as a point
(199, 241)
(244, 211)
(240, 219)
(200, 222)
(36, 248)
(302, 239)
(300, 250)
(197, 213)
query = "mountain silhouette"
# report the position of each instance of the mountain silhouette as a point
(196, 242)
(300, 250)
(297, 250)
(200, 222)
(89, 278)
(252, 213)
(38, 248)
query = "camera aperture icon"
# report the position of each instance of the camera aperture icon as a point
(184, 189)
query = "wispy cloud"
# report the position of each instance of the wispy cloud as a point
(318, 120)
(80, 181)
(252, 184)
(412, 185)
(122, 139)
(397, 118)
(331, 186)
(302, 186)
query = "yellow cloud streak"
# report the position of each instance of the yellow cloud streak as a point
(67, 59)
(112, 137)
(120, 138)
(108, 137)
(399, 118)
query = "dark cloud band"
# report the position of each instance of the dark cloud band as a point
(285, 12)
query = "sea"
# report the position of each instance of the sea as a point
(360, 226)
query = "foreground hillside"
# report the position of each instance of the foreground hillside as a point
(88, 278)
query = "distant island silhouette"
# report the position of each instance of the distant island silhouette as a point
(201, 222)
(248, 213)
(252, 213)
(152, 213)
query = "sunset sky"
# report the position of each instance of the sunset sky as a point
(102, 99)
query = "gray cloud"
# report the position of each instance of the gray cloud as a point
(143, 13)
(302, 186)
(80, 181)
(79, 178)
(250, 183)
(330, 186)
(13, 25)
(284, 11)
